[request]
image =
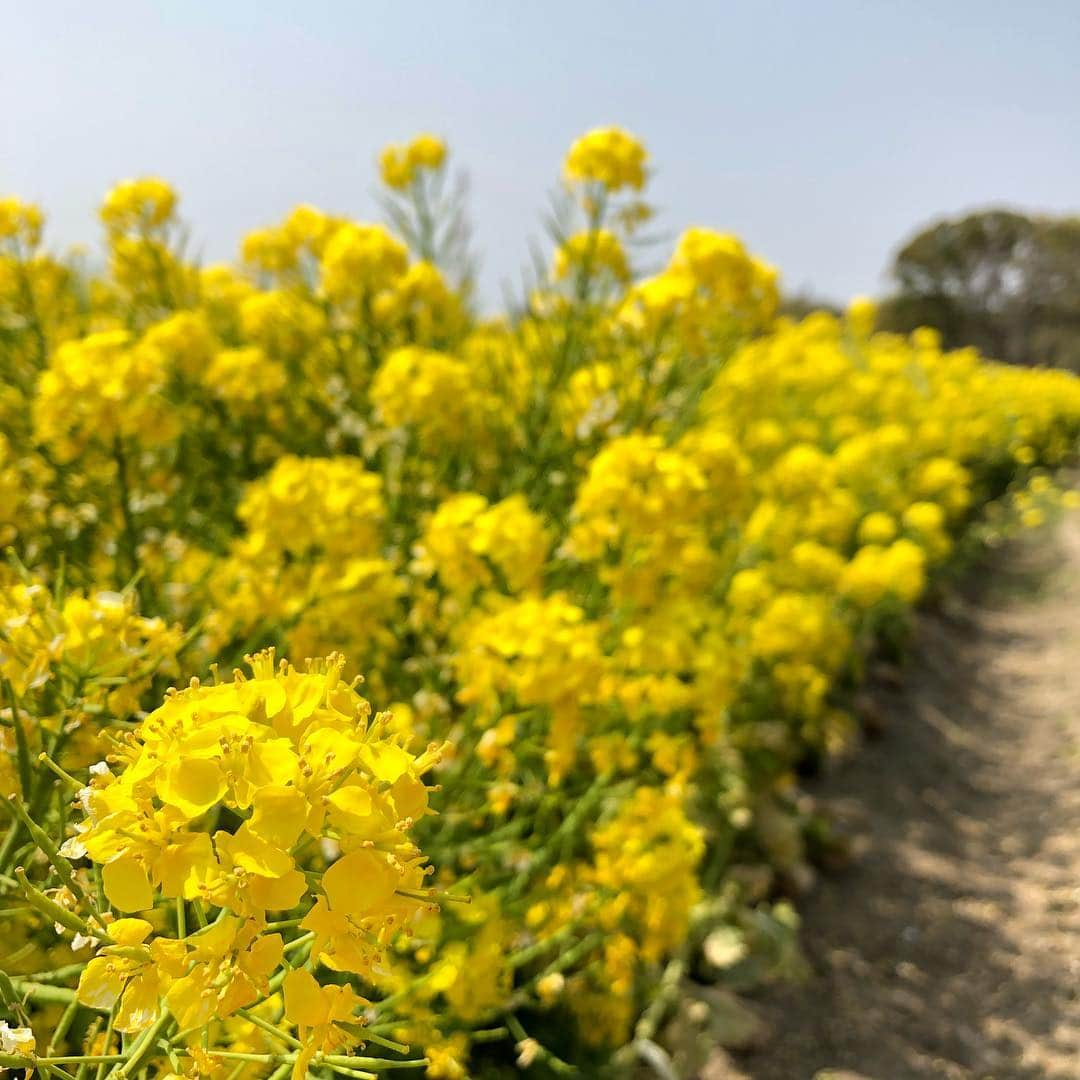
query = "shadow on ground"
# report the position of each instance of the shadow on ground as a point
(951, 945)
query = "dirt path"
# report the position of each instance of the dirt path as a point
(951, 946)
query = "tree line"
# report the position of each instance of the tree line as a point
(1006, 282)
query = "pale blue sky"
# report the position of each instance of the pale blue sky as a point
(822, 132)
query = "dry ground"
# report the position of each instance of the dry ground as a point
(950, 948)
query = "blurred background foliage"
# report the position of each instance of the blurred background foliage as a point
(1005, 282)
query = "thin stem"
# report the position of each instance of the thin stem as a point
(130, 536)
(58, 771)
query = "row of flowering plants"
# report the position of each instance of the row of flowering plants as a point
(569, 594)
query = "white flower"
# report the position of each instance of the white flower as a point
(528, 1050)
(18, 1042)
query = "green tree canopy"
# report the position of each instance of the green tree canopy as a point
(1005, 282)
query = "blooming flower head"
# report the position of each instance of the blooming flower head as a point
(302, 505)
(542, 652)
(17, 1041)
(429, 391)
(246, 378)
(321, 1014)
(293, 757)
(472, 544)
(607, 156)
(139, 206)
(361, 259)
(649, 852)
(861, 316)
(20, 223)
(101, 388)
(399, 164)
(185, 341)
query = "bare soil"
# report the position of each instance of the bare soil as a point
(950, 946)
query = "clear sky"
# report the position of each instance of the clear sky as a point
(823, 132)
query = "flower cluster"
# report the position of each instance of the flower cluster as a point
(428, 392)
(278, 792)
(472, 545)
(400, 164)
(101, 391)
(607, 156)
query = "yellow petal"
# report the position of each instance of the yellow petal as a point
(326, 749)
(410, 797)
(324, 921)
(341, 1001)
(129, 931)
(278, 894)
(180, 866)
(273, 761)
(353, 800)
(251, 853)
(303, 1060)
(305, 694)
(192, 786)
(188, 1001)
(304, 1004)
(279, 815)
(126, 884)
(171, 957)
(101, 983)
(385, 760)
(241, 991)
(263, 956)
(359, 882)
(139, 1005)
(214, 941)
(273, 694)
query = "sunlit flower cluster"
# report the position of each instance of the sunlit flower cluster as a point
(291, 758)
(399, 164)
(102, 391)
(607, 156)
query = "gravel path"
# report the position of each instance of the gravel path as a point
(950, 947)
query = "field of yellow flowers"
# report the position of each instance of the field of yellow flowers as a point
(569, 596)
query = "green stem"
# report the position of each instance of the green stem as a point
(144, 1047)
(130, 536)
(53, 910)
(10, 847)
(22, 747)
(62, 1026)
(46, 844)
(269, 1028)
(42, 994)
